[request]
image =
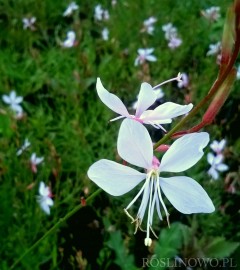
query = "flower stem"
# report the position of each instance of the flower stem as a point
(54, 227)
(215, 87)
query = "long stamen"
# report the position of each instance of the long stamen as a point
(163, 204)
(149, 208)
(117, 118)
(178, 78)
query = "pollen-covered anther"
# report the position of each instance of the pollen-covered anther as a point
(148, 241)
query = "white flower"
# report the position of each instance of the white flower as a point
(44, 198)
(184, 82)
(25, 145)
(214, 49)
(14, 102)
(105, 34)
(29, 23)
(174, 42)
(217, 165)
(145, 55)
(100, 13)
(162, 114)
(218, 147)
(238, 73)
(70, 40)
(170, 31)
(212, 13)
(34, 160)
(71, 7)
(148, 25)
(135, 146)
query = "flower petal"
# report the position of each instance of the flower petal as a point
(184, 152)
(146, 98)
(134, 144)
(222, 167)
(111, 100)
(210, 158)
(169, 110)
(114, 178)
(186, 195)
(6, 99)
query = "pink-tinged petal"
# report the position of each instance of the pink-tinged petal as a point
(111, 100)
(210, 158)
(222, 167)
(6, 99)
(114, 178)
(169, 110)
(186, 195)
(184, 152)
(134, 144)
(145, 99)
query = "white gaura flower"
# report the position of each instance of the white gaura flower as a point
(214, 49)
(70, 9)
(211, 14)
(44, 198)
(169, 30)
(34, 160)
(29, 23)
(217, 165)
(218, 146)
(14, 102)
(174, 42)
(184, 82)
(145, 55)
(162, 114)
(100, 13)
(105, 34)
(25, 145)
(70, 40)
(148, 25)
(135, 146)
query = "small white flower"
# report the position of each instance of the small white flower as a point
(170, 31)
(70, 40)
(100, 13)
(148, 25)
(218, 147)
(212, 13)
(70, 9)
(145, 55)
(217, 165)
(214, 49)
(135, 146)
(25, 145)
(34, 160)
(183, 83)
(14, 102)
(29, 23)
(105, 34)
(174, 42)
(44, 198)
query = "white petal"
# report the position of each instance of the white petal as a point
(114, 178)
(18, 99)
(49, 201)
(169, 110)
(146, 98)
(222, 167)
(148, 117)
(151, 58)
(213, 173)
(210, 158)
(111, 100)
(45, 207)
(184, 152)
(43, 189)
(134, 144)
(12, 95)
(222, 144)
(6, 99)
(186, 195)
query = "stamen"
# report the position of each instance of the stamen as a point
(149, 206)
(117, 118)
(163, 204)
(178, 78)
